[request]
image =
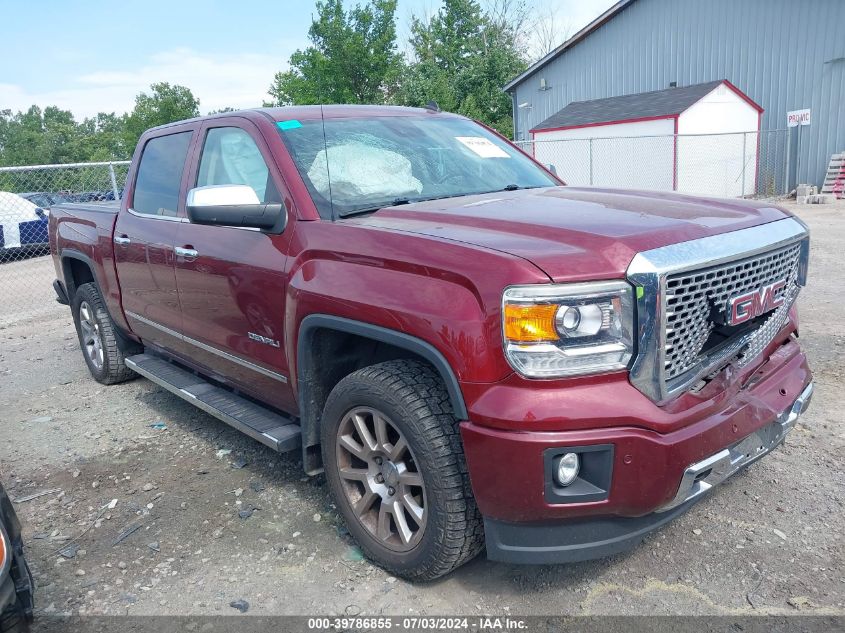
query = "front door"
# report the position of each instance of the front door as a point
(144, 239)
(232, 281)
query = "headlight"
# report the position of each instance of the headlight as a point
(568, 329)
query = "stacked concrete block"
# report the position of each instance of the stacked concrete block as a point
(834, 180)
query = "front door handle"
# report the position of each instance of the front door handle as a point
(187, 253)
(122, 240)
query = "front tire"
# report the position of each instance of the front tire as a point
(102, 347)
(394, 461)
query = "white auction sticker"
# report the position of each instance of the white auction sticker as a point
(483, 147)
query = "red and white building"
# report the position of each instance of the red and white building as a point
(700, 139)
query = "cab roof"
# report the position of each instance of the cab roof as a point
(285, 113)
(310, 112)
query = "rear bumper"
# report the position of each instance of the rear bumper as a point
(585, 539)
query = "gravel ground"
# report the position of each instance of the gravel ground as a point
(768, 541)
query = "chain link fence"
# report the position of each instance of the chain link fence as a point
(749, 164)
(26, 195)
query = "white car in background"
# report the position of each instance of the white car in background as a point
(22, 223)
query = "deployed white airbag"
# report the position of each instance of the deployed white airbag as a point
(359, 171)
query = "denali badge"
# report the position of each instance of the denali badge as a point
(263, 339)
(749, 305)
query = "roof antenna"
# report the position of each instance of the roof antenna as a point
(432, 105)
(328, 172)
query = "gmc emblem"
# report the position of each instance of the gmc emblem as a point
(750, 305)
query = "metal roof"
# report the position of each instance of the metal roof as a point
(572, 41)
(640, 106)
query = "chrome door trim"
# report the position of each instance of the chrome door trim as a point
(184, 220)
(208, 348)
(235, 359)
(153, 324)
(650, 269)
(150, 216)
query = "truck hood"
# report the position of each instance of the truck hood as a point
(570, 233)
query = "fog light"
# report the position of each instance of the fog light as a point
(567, 469)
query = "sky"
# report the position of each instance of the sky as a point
(95, 56)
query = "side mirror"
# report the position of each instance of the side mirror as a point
(232, 205)
(552, 168)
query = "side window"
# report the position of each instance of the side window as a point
(231, 157)
(160, 174)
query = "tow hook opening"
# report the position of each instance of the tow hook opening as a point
(703, 475)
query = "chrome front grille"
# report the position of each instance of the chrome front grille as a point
(684, 288)
(692, 296)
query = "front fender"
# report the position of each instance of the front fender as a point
(446, 314)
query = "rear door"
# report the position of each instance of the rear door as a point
(144, 238)
(232, 281)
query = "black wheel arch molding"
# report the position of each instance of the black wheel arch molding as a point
(72, 253)
(305, 369)
(70, 288)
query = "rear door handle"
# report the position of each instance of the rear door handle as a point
(189, 254)
(122, 240)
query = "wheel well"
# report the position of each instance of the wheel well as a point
(77, 272)
(327, 354)
(335, 355)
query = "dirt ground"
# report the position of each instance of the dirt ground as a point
(768, 541)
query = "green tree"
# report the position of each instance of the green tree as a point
(52, 135)
(103, 138)
(352, 58)
(165, 104)
(462, 58)
(38, 137)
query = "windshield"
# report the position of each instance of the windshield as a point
(369, 163)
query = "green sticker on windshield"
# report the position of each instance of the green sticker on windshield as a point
(640, 292)
(288, 125)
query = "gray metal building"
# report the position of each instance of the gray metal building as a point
(784, 54)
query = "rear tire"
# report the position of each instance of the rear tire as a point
(394, 461)
(103, 349)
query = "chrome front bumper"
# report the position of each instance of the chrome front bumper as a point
(704, 475)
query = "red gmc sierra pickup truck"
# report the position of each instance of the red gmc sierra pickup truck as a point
(471, 351)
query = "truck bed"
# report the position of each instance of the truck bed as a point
(82, 232)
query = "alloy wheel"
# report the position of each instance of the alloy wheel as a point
(91, 341)
(381, 480)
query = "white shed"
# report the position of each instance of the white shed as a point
(700, 139)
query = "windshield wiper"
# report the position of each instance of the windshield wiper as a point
(516, 187)
(400, 201)
(394, 203)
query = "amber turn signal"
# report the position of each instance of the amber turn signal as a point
(530, 323)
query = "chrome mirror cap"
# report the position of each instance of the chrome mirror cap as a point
(222, 195)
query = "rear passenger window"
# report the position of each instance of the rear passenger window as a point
(160, 175)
